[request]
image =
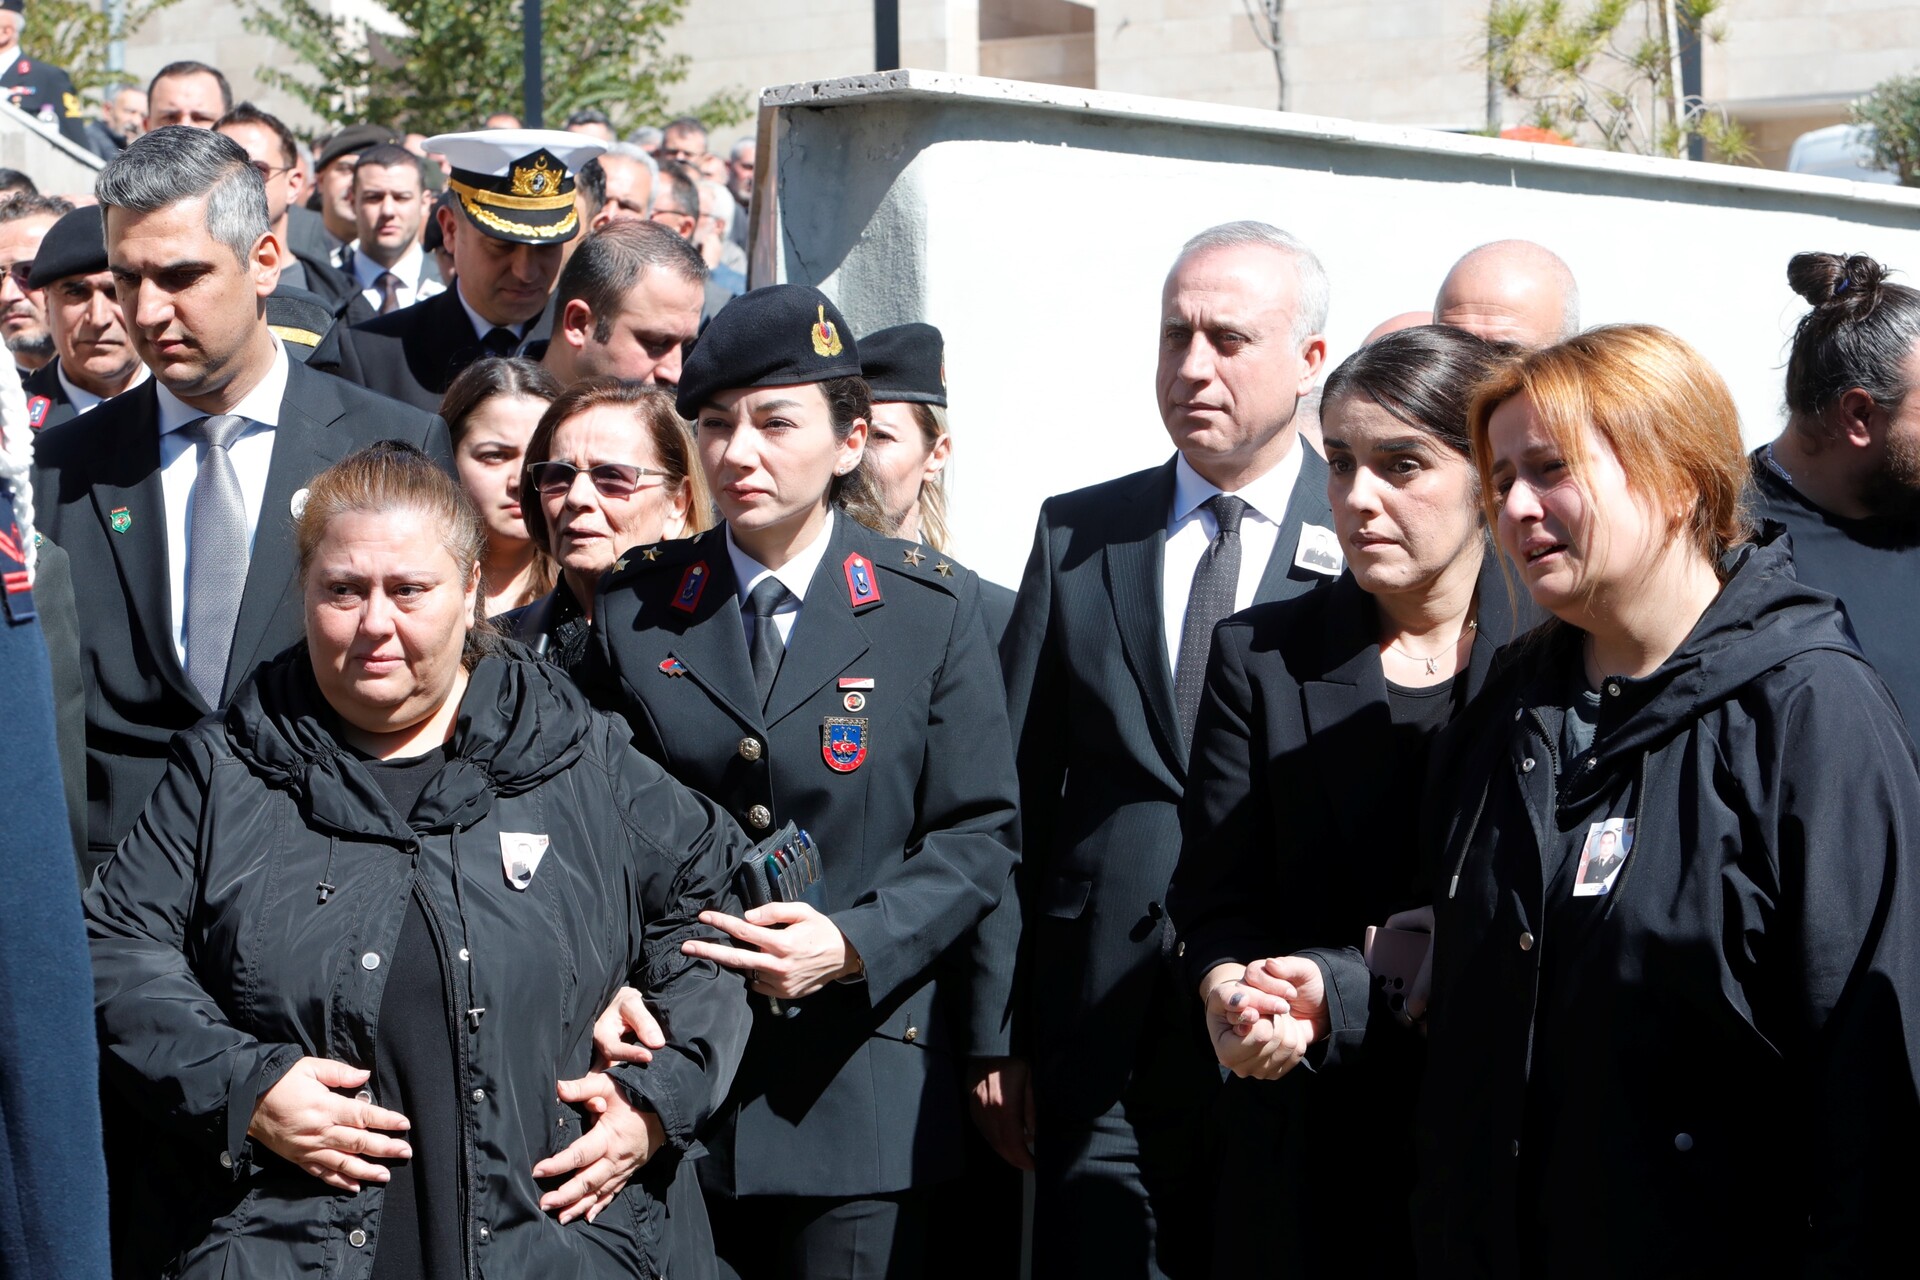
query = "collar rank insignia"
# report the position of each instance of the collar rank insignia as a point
(693, 584)
(673, 667)
(37, 409)
(914, 555)
(826, 338)
(863, 588)
(843, 743)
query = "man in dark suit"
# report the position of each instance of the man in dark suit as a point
(1105, 658)
(94, 357)
(516, 211)
(40, 89)
(174, 500)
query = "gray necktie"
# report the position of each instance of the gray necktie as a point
(768, 649)
(389, 286)
(1216, 582)
(216, 554)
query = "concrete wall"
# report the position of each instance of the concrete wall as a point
(1050, 324)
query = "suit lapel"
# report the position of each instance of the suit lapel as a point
(1345, 705)
(712, 644)
(1135, 561)
(302, 449)
(1283, 579)
(827, 638)
(128, 490)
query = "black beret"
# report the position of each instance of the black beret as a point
(74, 246)
(781, 336)
(351, 141)
(301, 319)
(906, 362)
(14, 6)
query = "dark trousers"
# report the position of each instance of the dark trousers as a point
(1129, 1194)
(821, 1238)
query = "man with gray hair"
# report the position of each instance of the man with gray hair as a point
(1105, 658)
(1511, 291)
(627, 305)
(616, 185)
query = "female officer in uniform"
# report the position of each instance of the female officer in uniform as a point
(795, 665)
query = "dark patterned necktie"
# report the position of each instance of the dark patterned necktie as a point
(500, 341)
(1216, 582)
(763, 602)
(216, 554)
(389, 286)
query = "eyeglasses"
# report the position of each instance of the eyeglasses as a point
(20, 272)
(266, 171)
(612, 479)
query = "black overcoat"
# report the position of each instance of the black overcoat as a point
(859, 1092)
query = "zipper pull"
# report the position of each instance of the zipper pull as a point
(326, 891)
(473, 1018)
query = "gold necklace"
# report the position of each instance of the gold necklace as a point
(1433, 663)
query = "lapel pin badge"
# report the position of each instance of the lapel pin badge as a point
(843, 743)
(1319, 551)
(120, 519)
(520, 854)
(673, 667)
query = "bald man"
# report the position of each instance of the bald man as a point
(1393, 324)
(1511, 291)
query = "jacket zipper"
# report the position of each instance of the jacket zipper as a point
(460, 1065)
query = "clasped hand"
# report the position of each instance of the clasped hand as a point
(797, 949)
(1263, 1018)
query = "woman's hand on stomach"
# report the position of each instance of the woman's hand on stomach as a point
(623, 1138)
(304, 1120)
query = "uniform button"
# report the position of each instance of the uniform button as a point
(912, 1034)
(365, 1095)
(485, 1235)
(1526, 941)
(1179, 949)
(465, 954)
(749, 749)
(479, 1095)
(1613, 688)
(357, 1238)
(226, 1159)
(759, 817)
(1683, 1142)
(1526, 766)
(370, 961)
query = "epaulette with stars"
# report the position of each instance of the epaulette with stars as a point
(921, 563)
(636, 562)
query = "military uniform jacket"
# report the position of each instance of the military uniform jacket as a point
(31, 85)
(859, 1091)
(98, 492)
(48, 404)
(413, 354)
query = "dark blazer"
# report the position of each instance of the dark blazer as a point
(138, 695)
(996, 608)
(859, 1092)
(1301, 828)
(44, 383)
(413, 354)
(53, 599)
(1102, 771)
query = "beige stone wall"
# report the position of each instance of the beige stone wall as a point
(1063, 59)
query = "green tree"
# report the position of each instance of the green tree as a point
(74, 35)
(454, 61)
(1891, 116)
(1610, 71)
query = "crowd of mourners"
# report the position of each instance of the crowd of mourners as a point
(509, 776)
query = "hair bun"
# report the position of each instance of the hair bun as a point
(1830, 279)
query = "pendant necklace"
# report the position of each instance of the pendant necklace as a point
(1433, 663)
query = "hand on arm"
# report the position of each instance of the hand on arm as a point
(305, 1121)
(623, 1138)
(628, 1015)
(798, 950)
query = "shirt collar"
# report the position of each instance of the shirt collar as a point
(83, 399)
(261, 405)
(794, 575)
(366, 270)
(1266, 496)
(481, 325)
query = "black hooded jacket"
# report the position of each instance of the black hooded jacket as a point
(219, 962)
(1710, 1068)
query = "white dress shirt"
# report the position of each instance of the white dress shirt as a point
(412, 289)
(483, 326)
(84, 399)
(180, 466)
(794, 575)
(1191, 527)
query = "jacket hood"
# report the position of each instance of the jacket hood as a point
(521, 722)
(1762, 617)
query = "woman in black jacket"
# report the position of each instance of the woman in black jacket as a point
(1309, 755)
(363, 928)
(796, 665)
(1697, 1058)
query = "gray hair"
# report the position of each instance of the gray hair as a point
(740, 146)
(634, 152)
(1310, 311)
(178, 163)
(721, 204)
(645, 136)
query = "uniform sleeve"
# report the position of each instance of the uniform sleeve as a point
(957, 867)
(1036, 713)
(163, 1039)
(1846, 825)
(73, 112)
(684, 851)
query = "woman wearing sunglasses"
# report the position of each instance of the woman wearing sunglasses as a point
(611, 467)
(797, 666)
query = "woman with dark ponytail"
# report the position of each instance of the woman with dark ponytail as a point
(1844, 477)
